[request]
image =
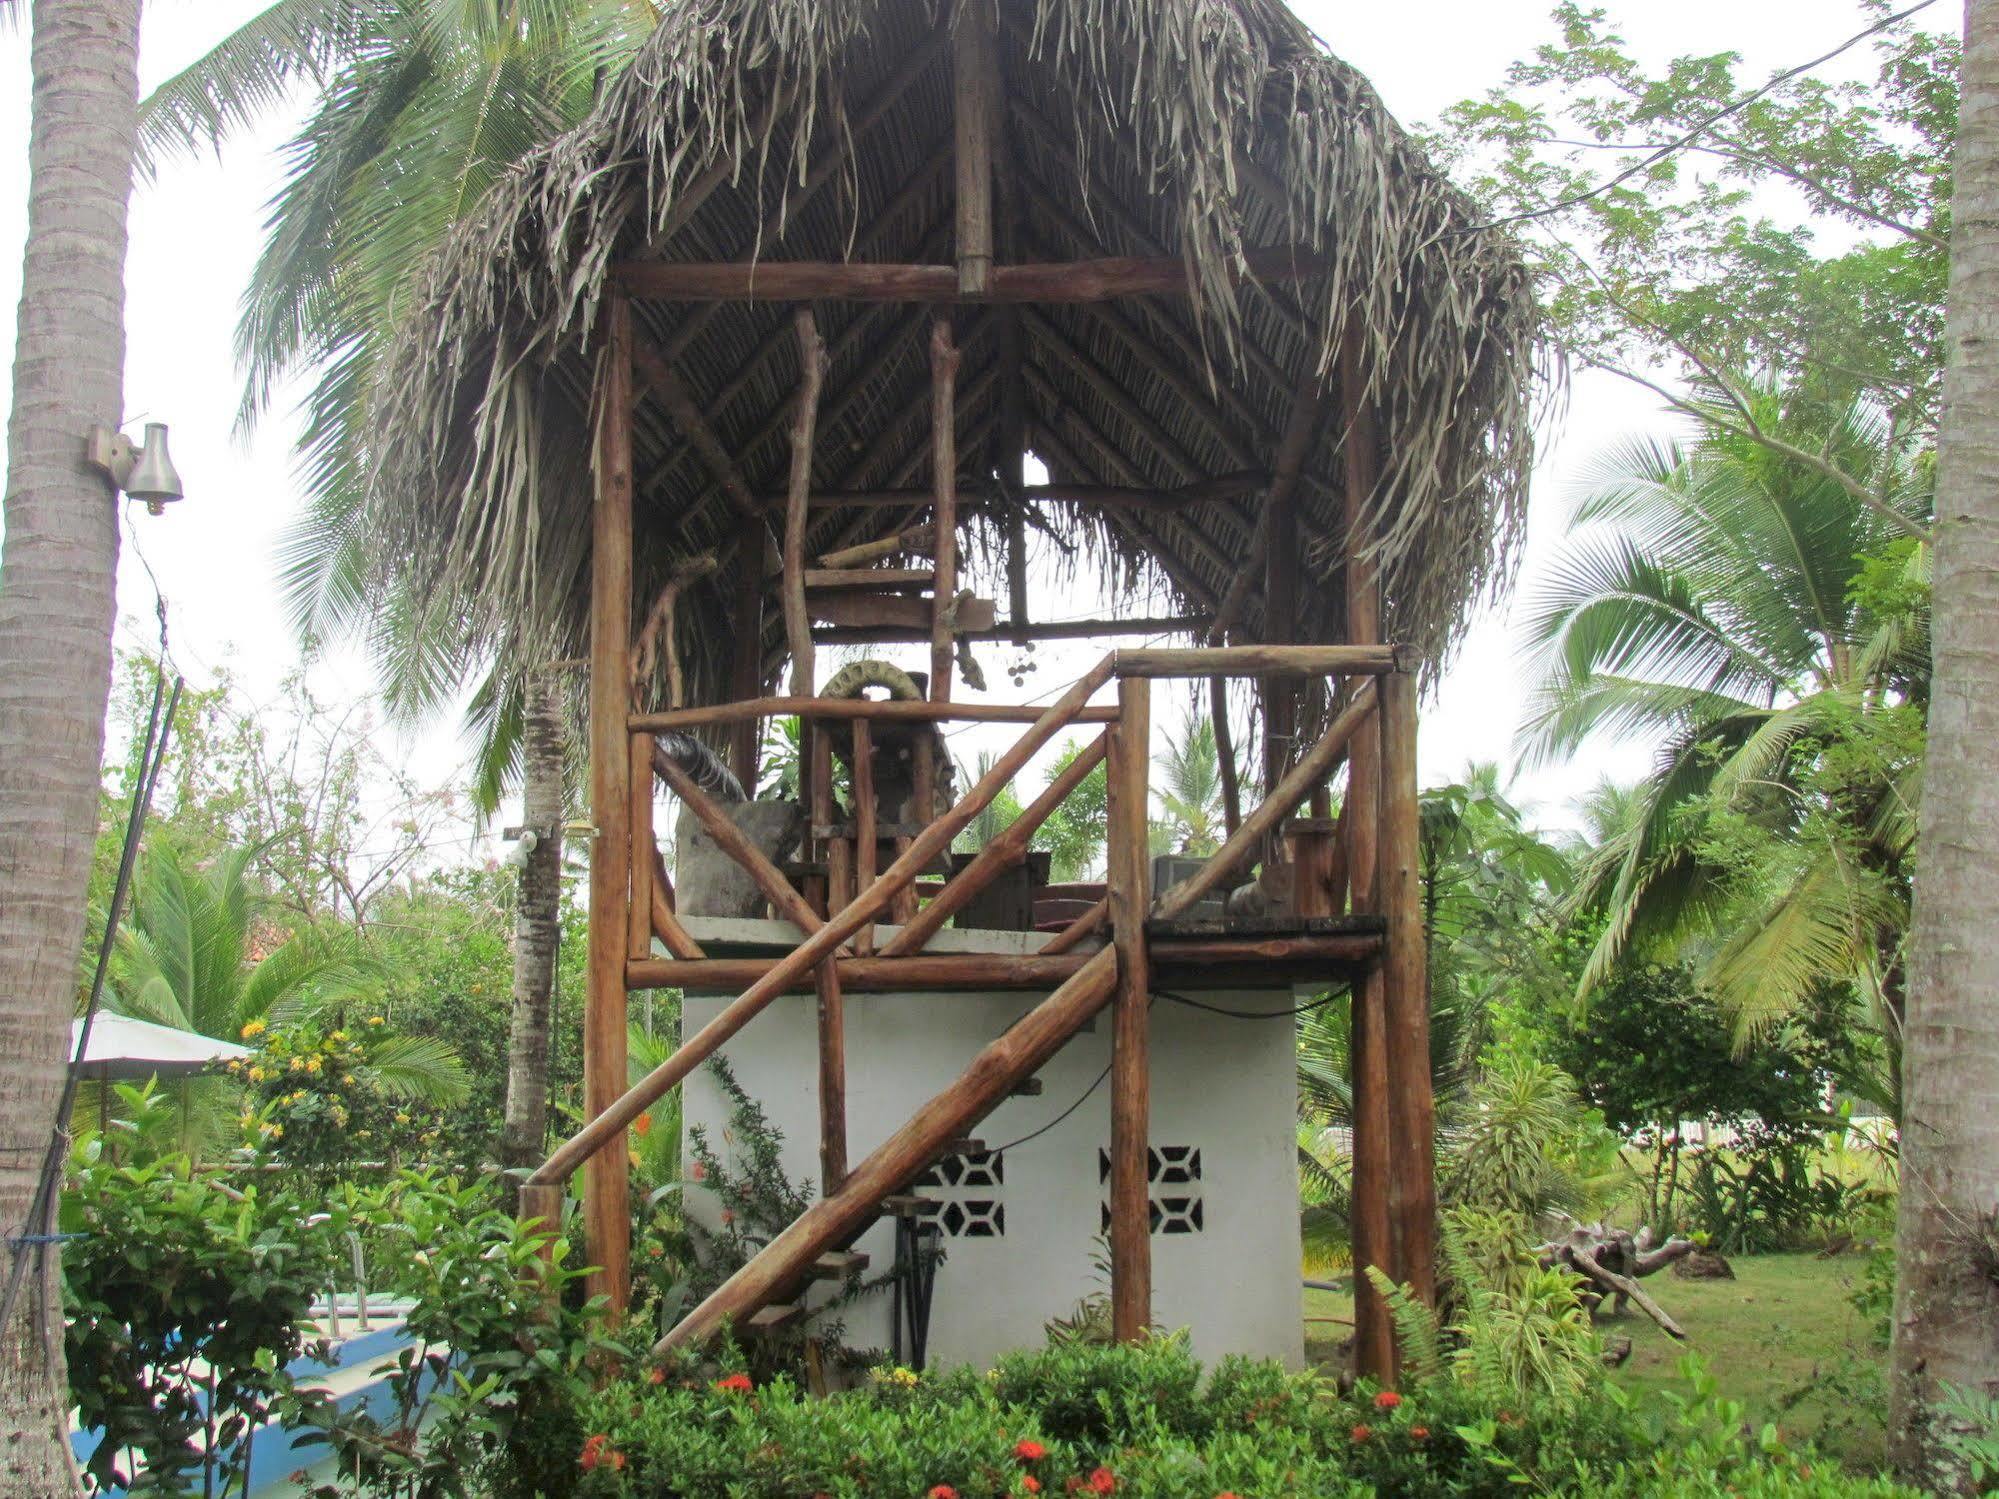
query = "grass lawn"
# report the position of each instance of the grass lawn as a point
(1783, 1338)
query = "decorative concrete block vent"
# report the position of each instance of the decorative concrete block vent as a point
(970, 1195)
(1173, 1172)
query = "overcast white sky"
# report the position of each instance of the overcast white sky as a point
(195, 234)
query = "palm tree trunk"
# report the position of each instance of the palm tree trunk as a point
(537, 922)
(57, 580)
(1947, 1289)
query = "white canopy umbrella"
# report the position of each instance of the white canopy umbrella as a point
(127, 1049)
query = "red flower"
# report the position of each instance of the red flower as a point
(598, 1451)
(735, 1384)
(698, 1172)
(1361, 1433)
(1029, 1451)
(1031, 1483)
(1387, 1400)
(1419, 1433)
(1228, 1494)
(1103, 1481)
(943, 1491)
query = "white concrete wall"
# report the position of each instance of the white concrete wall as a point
(1226, 1086)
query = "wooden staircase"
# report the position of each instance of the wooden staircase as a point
(932, 1132)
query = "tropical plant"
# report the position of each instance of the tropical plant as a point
(1190, 789)
(1706, 598)
(995, 817)
(196, 957)
(1074, 833)
(1522, 1144)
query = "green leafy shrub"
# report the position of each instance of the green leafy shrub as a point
(186, 1299)
(1140, 1421)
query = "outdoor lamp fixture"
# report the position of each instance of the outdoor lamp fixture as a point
(144, 473)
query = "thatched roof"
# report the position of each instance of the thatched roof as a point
(1190, 128)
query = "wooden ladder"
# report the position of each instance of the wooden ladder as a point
(933, 1131)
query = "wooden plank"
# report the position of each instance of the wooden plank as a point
(976, 609)
(1412, 1114)
(914, 541)
(876, 710)
(606, 1208)
(804, 425)
(1345, 948)
(1064, 281)
(730, 840)
(944, 504)
(1128, 875)
(868, 577)
(975, 102)
(1237, 849)
(867, 906)
(1106, 496)
(839, 1264)
(1264, 660)
(892, 613)
(835, 1220)
(638, 910)
(1008, 849)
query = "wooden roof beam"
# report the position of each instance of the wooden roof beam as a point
(1202, 492)
(674, 395)
(881, 281)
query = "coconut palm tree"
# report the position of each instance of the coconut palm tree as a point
(57, 578)
(1707, 598)
(421, 105)
(190, 959)
(1190, 789)
(1946, 1330)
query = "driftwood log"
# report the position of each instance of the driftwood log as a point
(1611, 1262)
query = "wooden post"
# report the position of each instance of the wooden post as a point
(1218, 715)
(746, 667)
(606, 1208)
(944, 479)
(804, 425)
(1405, 970)
(822, 892)
(1130, 898)
(1373, 1232)
(975, 89)
(864, 827)
(832, 892)
(644, 848)
(1010, 464)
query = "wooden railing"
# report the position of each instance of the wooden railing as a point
(835, 911)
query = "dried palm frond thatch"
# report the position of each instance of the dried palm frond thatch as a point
(821, 129)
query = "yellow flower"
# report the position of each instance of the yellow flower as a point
(374, 1020)
(402, 1118)
(312, 1064)
(258, 1074)
(254, 1028)
(338, 1036)
(298, 1064)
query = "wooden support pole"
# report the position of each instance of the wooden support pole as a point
(666, 924)
(835, 1220)
(975, 101)
(1088, 924)
(875, 710)
(1353, 721)
(875, 975)
(1065, 629)
(1371, 659)
(914, 540)
(732, 841)
(866, 907)
(944, 476)
(1218, 715)
(644, 849)
(1411, 1108)
(804, 424)
(1373, 1232)
(673, 394)
(746, 665)
(1009, 848)
(1010, 465)
(606, 1209)
(1129, 895)
(865, 820)
(828, 892)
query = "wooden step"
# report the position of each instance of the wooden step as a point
(869, 577)
(839, 1265)
(906, 1204)
(772, 1319)
(1027, 1087)
(964, 1146)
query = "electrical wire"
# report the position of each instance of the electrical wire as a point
(1037, 1134)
